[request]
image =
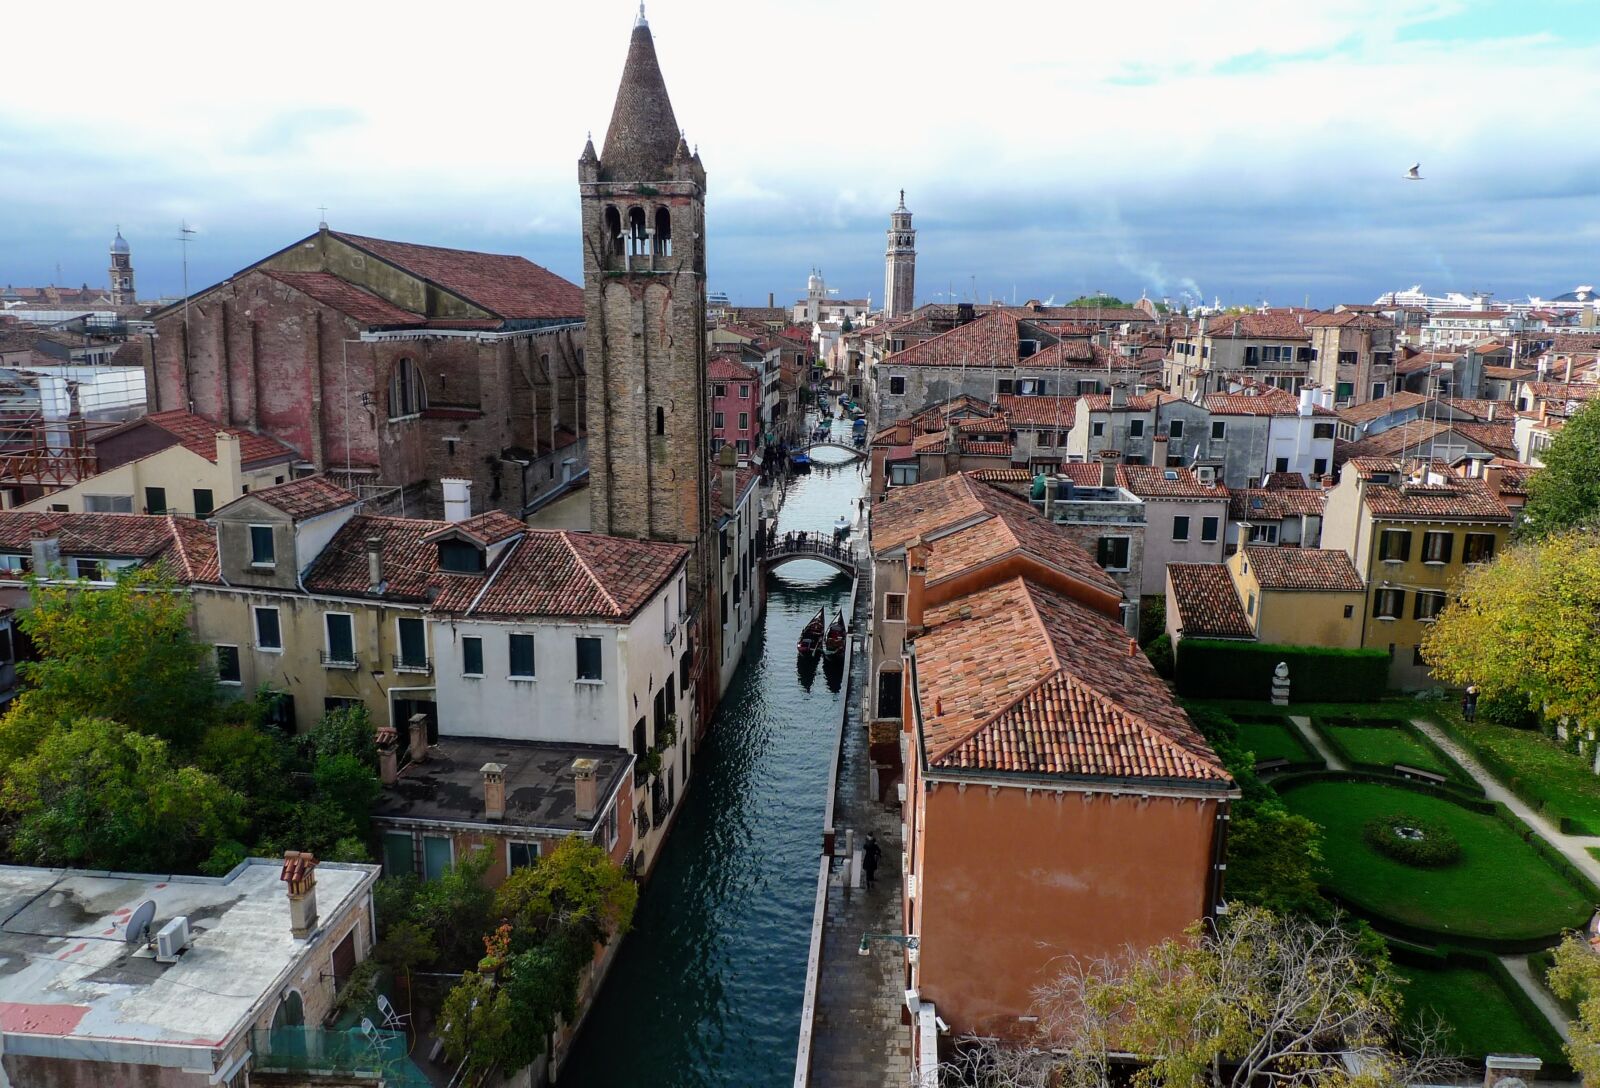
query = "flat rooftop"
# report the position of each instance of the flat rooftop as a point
(448, 788)
(70, 986)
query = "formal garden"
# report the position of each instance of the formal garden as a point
(1273, 738)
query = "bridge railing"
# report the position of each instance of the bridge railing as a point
(821, 546)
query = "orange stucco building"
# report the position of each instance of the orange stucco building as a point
(1058, 802)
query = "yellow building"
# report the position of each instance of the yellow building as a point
(172, 463)
(1299, 596)
(1411, 530)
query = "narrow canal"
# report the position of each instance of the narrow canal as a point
(706, 988)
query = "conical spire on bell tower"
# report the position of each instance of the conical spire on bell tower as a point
(643, 135)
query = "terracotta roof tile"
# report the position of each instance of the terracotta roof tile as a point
(1316, 569)
(512, 288)
(183, 548)
(199, 435)
(1269, 326)
(1153, 481)
(1274, 504)
(1016, 678)
(1414, 436)
(1377, 409)
(410, 560)
(1208, 606)
(578, 575)
(1266, 401)
(346, 297)
(1039, 411)
(989, 341)
(726, 369)
(304, 498)
(1450, 497)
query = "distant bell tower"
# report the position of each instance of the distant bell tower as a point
(644, 284)
(121, 272)
(900, 263)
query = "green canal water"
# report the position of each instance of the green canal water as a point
(706, 988)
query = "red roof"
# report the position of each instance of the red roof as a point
(1274, 504)
(1017, 678)
(1265, 401)
(184, 548)
(1039, 411)
(1269, 326)
(992, 340)
(1208, 606)
(346, 297)
(410, 560)
(1442, 496)
(1153, 481)
(199, 435)
(549, 573)
(726, 369)
(304, 498)
(1311, 569)
(509, 287)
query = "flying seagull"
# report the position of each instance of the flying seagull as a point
(1415, 173)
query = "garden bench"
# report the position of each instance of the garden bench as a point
(1408, 771)
(1276, 764)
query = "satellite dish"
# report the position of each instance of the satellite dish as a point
(139, 922)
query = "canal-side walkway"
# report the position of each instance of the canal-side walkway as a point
(858, 1040)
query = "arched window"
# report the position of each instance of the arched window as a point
(291, 1012)
(637, 237)
(661, 420)
(407, 396)
(663, 232)
(613, 226)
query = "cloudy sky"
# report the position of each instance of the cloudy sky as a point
(1246, 149)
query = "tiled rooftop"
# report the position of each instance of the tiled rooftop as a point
(509, 287)
(306, 497)
(1377, 409)
(199, 435)
(347, 298)
(992, 340)
(1208, 607)
(1039, 411)
(185, 549)
(1153, 481)
(559, 573)
(1274, 504)
(1312, 569)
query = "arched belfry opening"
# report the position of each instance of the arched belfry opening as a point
(638, 236)
(613, 227)
(663, 233)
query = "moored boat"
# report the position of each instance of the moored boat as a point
(811, 638)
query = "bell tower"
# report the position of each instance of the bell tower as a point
(644, 283)
(121, 272)
(900, 263)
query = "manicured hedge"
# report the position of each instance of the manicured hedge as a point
(1219, 669)
(1446, 957)
(1439, 760)
(1553, 783)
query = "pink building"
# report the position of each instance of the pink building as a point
(735, 405)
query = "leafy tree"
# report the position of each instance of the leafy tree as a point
(1523, 627)
(454, 909)
(1108, 301)
(575, 887)
(125, 653)
(1565, 494)
(1159, 651)
(98, 795)
(350, 785)
(1273, 860)
(1254, 1000)
(1575, 977)
(347, 731)
(479, 1025)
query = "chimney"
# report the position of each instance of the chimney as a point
(916, 584)
(388, 755)
(1158, 451)
(1050, 489)
(1307, 400)
(1108, 467)
(494, 790)
(374, 564)
(231, 464)
(457, 498)
(418, 725)
(1493, 475)
(1119, 394)
(46, 553)
(952, 446)
(300, 874)
(1490, 417)
(728, 462)
(585, 803)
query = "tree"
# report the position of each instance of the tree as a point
(1108, 301)
(1575, 978)
(479, 1025)
(575, 887)
(346, 731)
(1565, 494)
(1523, 626)
(125, 653)
(98, 795)
(1254, 1000)
(1273, 860)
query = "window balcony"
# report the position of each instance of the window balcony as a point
(349, 662)
(403, 663)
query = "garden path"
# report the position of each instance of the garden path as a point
(1313, 738)
(1572, 847)
(1518, 966)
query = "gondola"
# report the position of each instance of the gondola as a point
(811, 637)
(833, 641)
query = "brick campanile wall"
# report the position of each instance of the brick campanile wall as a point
(900, 263)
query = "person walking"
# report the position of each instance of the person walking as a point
(870, 853)
(1469, 703)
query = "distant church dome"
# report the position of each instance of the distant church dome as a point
(814, 284)
(120, 245)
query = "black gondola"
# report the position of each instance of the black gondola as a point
(833, 642)
(811, 637)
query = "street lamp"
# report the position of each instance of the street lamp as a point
(913, 950)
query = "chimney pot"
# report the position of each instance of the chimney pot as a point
(494, 790)
(457, 498)
(584, 788)
(299, 873)
(374, 564)
(388, 755)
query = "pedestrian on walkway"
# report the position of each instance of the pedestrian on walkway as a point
(870, 853)
(1469, 703)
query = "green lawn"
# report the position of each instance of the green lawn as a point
(1481, 1017)
(1386, 742)
(1458, 900)
(1273, 740)
(1535, 768)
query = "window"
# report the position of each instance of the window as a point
(1097, 429)
(1319, 467)
(1280, 464)
(1209, 528)
(897, 386)
(1382, 358)
(155, 500)
(203, 502)
(1219, 430)
(460, 557)
(436, 856)
(661, 420)
(902, 475)
(1047, 439)
(719, 389)
(263, 553)
(1180, 527)
(1112, 552)
(608, 827)
(1250, 604)
(1436, 547)
(1394, 545)
(1389, 604)
(1264, 534)
(1379, 389)
(718, 420)
(228, 665)
(1349, 611)
(1428, 605)
(407, 397)
(1477, 548)
(268, 634)
(399, 856)
(108, 504)
(744, 421)
(894, 606)
(744, 392)
(340, 628)
(1346, 391)
(521, 855)
(1175, 428)
(1002, 385)
(413, 640)
(588, 658)
(1135, 428)
(889, 691)
(521, 650)
(1347, 358)
(1322, 430)
(471, 655)
(742, 447)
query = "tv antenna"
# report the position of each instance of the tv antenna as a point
(137, 930)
